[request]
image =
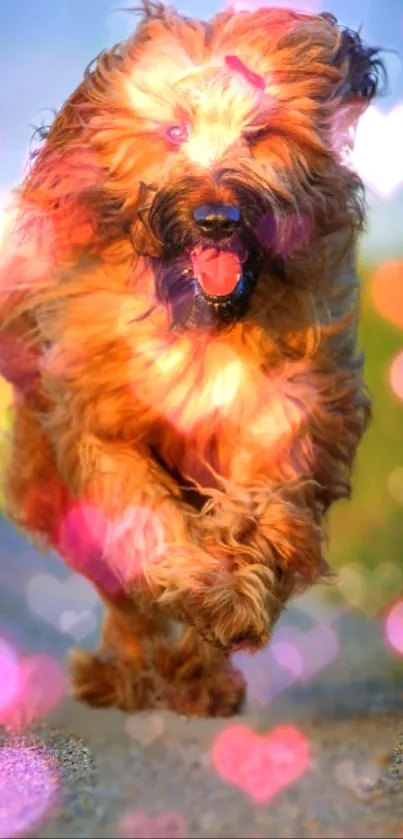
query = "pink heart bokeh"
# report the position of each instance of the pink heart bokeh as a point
(261, 765)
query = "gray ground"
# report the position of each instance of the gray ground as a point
(153, 775)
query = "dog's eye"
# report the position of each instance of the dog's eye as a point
(178, 134)
(254, 135)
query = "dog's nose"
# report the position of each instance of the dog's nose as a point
(217, 221)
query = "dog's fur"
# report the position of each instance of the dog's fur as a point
(186, 464)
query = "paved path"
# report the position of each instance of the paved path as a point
(328, 677)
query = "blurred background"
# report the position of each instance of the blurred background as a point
(340, 645)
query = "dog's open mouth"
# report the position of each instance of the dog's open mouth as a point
(209, 285)
(217, 271)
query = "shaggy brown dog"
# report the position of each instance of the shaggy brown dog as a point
(179, 307)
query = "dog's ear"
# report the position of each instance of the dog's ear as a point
(364, 70)
(362, 76)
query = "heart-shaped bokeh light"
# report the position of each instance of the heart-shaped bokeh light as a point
(261, 765)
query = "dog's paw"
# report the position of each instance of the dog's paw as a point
(236, 613)
(102, 680)
(219, 693)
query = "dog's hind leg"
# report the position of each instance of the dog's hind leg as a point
(122, 673)
(200, 679)
(140, 666)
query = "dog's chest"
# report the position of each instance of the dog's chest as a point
(221, 416)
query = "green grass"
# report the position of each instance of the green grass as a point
(369, 528)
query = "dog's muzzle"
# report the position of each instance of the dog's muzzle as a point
(210, 283)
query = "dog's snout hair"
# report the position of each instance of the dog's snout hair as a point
(171, 215)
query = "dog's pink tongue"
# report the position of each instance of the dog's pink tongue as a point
(216, 271)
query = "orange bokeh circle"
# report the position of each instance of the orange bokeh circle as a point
(387, 291)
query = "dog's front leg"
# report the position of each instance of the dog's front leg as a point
(135, 521)
(272, 544)
(268, 523)
(227, 573)
(127, 530)
(130, 532)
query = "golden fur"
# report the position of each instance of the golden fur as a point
(213, 457)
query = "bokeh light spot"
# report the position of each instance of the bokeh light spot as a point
(41, 686)
(111, 550)
(9, 675)
(387, 291)
(261, 765)
(28, 788)
(395, 376)
(377, 154)
(370, 589)
(395, 484)
(289, 657)
(394, 627)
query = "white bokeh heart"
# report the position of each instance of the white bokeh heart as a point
(377, 154)
(293, 657)
(146, 729)
(53, 599)
(77, 624)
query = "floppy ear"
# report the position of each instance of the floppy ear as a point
(363, 75)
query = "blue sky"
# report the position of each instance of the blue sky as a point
(46, 44)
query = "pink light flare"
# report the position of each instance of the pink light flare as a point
(394, 627)
(38, 686)
(29, 785)
(9, 675)
(196, 377)
(111, 550)
(285, 235)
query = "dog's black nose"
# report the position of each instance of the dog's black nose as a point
(217, 221)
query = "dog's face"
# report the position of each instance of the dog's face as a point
(219, 149)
